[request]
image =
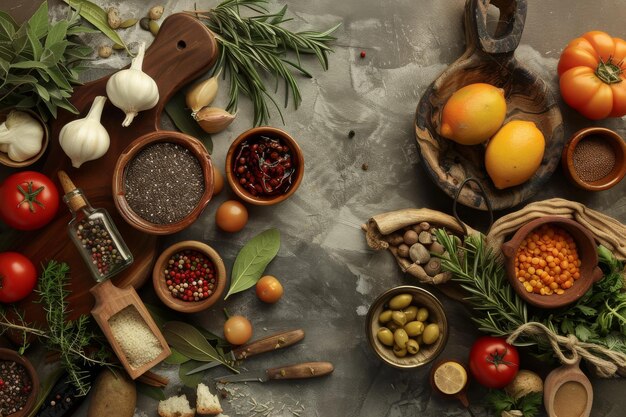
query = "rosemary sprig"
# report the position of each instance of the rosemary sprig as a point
(71, 339)
(255, 47)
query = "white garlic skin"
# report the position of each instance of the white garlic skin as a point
(21, 136)
(86, 139)
(132, 90)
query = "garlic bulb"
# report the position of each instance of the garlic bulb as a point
(86, 139)
(214, 119)
(21, 136)
(132, 90)
(201, 94)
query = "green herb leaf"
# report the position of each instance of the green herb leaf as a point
(529, 404)
(253, 259)
(7, 26)
(177, 110)
(95, 15)
(192, 380)
(38, 22)
(499, 401)
(150, 391)
(176, 358)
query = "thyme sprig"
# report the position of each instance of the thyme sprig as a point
(70, 338)
(257, 46)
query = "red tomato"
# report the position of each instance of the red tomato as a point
(237, 330)
(269, 289)
(18, 277)
(231, 216)
(493, 362)
(28, 200)
(592, 75)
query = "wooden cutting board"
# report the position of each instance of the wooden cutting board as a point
(183, 50)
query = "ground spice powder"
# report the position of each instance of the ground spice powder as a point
(593, 158)
(139, 344)
(164, 183)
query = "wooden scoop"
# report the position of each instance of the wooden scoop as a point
(488, 60)
(110, 300)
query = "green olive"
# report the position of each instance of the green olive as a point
(431, 334)
(412, 347)
(414, 328)
(399, 352)
(400, 301)
(422, 314)
(385, 317)
(411, 313)
(400, 337)
(399, 318)
(385, 336)
(392, 326)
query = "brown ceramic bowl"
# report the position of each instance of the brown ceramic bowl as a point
(11, 355)
(4, 158)
(590, 272)
(119, 176)
(297, 158)
(160, 287)
(619, 150)
(421, 298)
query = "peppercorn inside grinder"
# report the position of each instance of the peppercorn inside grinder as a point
(120, 313)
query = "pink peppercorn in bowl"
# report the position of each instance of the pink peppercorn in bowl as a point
(594, 159)
(264, 166)
(189, 276)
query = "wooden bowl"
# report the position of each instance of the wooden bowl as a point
(619, 150)
(488, 60)
(119, 177)
(160, 287)
(272, 132)
(590, 272)
(11, 355)
(568, 377)
(437, 315)
(4, 158)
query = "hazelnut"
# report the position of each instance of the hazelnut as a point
(410, 237)
(403, 250)
(156, 12)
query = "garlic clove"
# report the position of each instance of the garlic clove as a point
(202, 94)
(21, 136)
(214, 119)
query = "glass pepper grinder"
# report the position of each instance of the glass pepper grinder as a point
(94, 234)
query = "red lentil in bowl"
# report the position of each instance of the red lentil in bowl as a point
(264, 166)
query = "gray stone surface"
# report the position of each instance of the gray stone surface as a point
(329, 274)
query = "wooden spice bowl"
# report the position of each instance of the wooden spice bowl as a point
(618, 146)
(271, 132)
(12, 355)
(160, 286)
(426, 353)
(119, 177)
(4, 158)
(586, 247)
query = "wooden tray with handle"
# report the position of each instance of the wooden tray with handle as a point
(183, 50)
(488, 60)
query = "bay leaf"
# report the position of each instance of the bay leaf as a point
(181, 117)
(192, 380)
(187, 340)
(176, 358)
(252, 260)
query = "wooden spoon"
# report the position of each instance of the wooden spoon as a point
(488, 59)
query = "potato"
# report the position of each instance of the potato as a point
(113, 394)
(524, 383)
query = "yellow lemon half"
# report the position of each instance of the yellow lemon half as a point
(514, 154)
(450, 378)
(473, 114)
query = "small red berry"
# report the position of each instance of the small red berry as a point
(362, 54)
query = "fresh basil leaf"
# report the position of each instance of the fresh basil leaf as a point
(7, 25)
(6, 53)
(56, 33)
(16, 80)
(150, 391)
(57, 76)
(19, 43)
(38, 22)
(192, 380)
(253, 259)
(65, 104)
(181, 117)
(35, 45)
(43, 93)
(29, 65)
(95, 15)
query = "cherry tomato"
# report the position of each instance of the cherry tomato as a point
(269, 289)
(28, 200)
(218, 181)
(237, 330)
(231, 216)
(18, 277)
(493, 362)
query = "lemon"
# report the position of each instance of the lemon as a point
(514, 154)
(450, 378)
(473, 114)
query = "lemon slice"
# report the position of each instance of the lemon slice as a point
(450, 378)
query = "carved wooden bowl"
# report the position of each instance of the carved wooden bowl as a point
(488, 60)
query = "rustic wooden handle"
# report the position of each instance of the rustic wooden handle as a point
(508, 32)
(301, 370)
(267, 344)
